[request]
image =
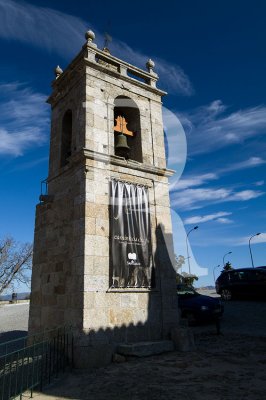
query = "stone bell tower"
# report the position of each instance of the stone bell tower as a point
(103, 235)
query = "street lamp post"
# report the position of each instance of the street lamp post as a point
(226, 255)
(195, 227)
(217, 266)
(257, 234)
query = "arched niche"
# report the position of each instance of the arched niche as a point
(128, 109)
(66, 137)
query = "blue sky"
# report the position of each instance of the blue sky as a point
(211, 59)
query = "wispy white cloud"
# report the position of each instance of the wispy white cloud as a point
(229, 240)
(219, 216)
(259, 183)
(193, 181)
(213, 127)
(172, 76)
(36, 24)
(194, 191)
(41, 27)
(29, 164)
(225, 220)
(245, 239)
(203, 179)
(249, 163)
(245, 195)
(196, 198)
(24, 119)
(191, 199)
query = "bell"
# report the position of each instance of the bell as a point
(121, 148)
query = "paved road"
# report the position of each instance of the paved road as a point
(243, 317)
(13, 321)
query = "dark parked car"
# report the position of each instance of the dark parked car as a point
(196, 307)
(244, 282)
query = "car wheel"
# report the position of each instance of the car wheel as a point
(226, 294)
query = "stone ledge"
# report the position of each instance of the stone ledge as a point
(106, 159)
(131, 290)
(122, 162)
(144, 349)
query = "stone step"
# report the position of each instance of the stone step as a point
(143, 349)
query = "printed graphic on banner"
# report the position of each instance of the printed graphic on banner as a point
(130, 235)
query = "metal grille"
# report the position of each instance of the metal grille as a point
(31, 362)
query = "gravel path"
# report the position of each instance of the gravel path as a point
(222, 368)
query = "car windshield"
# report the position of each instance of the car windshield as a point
(186, 291)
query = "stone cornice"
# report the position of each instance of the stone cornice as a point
(122, 162)
(81, 156)
(100, 60)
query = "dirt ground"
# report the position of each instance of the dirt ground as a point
(230, 366)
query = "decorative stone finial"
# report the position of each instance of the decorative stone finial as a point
(90, 36)
(58, 71)
(150, 65)
(106, 50)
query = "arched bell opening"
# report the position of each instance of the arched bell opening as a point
(66, 137)
(127, 129)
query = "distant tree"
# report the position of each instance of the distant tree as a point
(179, 278)
(186, 279)
(179, 261)
(228, 266)
(183, 277)
(189, 279)
(15, 263)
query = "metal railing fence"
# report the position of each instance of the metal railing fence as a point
(30, 363)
